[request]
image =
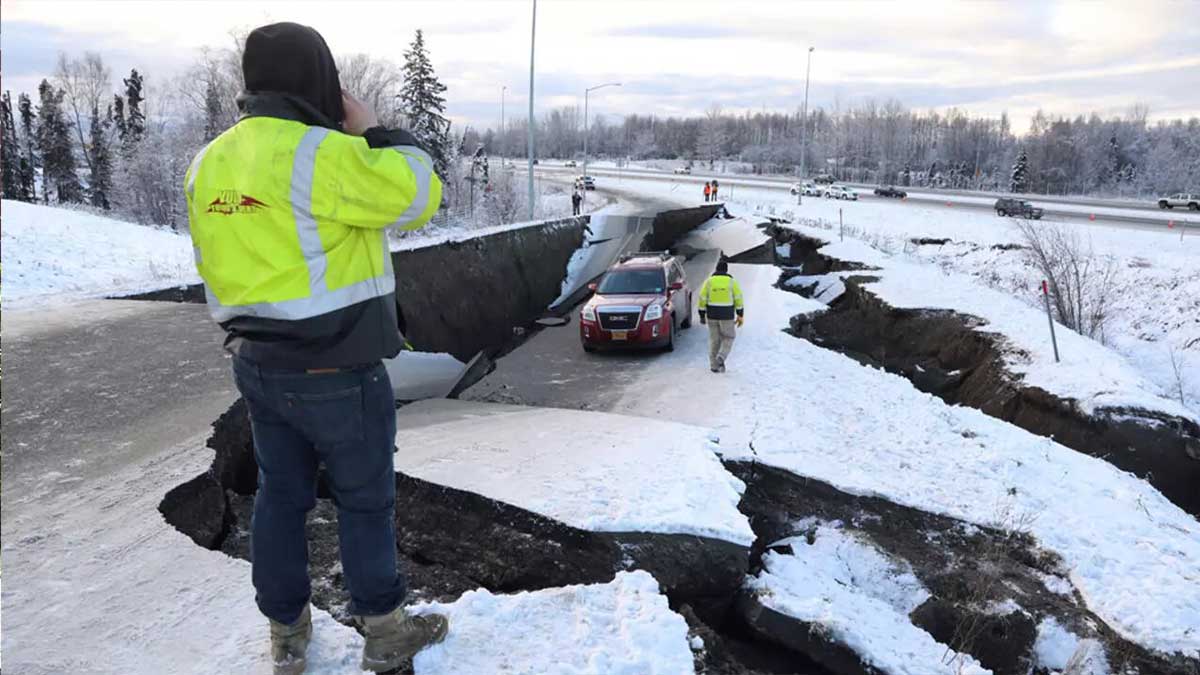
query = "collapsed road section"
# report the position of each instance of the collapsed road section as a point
(965, 359)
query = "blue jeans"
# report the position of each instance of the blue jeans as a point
(346, 420)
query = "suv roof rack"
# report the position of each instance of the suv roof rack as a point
(656, 255)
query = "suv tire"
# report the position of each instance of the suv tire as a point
(1194, 206)
(1001, 212)
(670, 336)
(588, 348)
(687, 322)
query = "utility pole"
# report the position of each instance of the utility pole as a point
(500, 145)
(532, 36)
(586, 92)
(804, 128)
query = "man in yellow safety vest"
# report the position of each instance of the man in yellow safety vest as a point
(288, 211)
(722, 309)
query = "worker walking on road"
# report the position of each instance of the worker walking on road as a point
(576, 202)
(288, 211)
(707, 190)
(714, 190)
(722, 309)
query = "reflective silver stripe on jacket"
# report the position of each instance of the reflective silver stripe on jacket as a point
(191, 186)
(303, 167)
(321, 300)
(421, 165)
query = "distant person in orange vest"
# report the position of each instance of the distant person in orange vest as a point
(714, 190)
(707, 190)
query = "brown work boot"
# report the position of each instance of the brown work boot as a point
(394, 638)
(289, 644)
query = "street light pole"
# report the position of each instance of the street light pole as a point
(532, 36)
(500, 144)
(586, 92)
(804, 129)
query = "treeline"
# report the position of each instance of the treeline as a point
(888, 143)
(127, 149)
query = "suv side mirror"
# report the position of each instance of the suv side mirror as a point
(677, 286)
(593, 286)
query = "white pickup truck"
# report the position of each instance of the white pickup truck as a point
(1182, 200)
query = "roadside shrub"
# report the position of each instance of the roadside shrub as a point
(1081, 282)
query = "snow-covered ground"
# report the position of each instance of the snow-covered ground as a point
(1129, 551)
(53, 254)
(585, 469)
(861, 598)
(623, 627)
(1091, 374)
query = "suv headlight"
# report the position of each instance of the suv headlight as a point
(589, 313)
(654, 312)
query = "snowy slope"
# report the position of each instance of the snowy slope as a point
(61, 254)
(623, 627)
(1089, 373)
(594, 471)
(861, 597)
(1128, 550)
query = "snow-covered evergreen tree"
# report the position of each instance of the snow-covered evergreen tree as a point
(54, 146)
(423, 105)
(135, 117)
(29, 144)
(1019, 181)
(214, 112)
(100, 185)
(10, 155)
(117, 115)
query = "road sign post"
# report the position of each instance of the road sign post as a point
(1050, 318)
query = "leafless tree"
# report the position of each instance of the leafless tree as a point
(1081, 281)
(86, 83)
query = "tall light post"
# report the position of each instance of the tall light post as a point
(804, 129)
(500, 136)
(586, 92)
(532, 36)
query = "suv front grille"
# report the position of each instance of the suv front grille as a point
(619, 320)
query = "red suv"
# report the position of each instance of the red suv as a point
(640, 302)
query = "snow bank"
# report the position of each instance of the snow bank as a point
(594, 471)
(1059, 650)
(622, 627)
(61, 254)
(1131, 553)
(861, 597)
(1091, 374)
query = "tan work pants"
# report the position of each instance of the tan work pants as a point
(720, 340)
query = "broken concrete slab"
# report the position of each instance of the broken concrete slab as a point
(595, 471)
(733, 238)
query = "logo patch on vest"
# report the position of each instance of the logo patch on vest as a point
(229, 202)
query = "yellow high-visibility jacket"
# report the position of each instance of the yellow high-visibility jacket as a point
(288, 223)
(721, 297)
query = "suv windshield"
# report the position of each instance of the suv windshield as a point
(632, 282)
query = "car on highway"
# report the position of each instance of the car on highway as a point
(642, 301)
(683, 170)
(570, 162)
(840, 192)
(1019, 208)
(585, 183)
(806, 188)
(824, 179)
(890, 191)
(1182, 200)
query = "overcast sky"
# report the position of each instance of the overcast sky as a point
(677, 58)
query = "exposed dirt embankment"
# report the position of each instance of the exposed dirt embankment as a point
(988, 588)
(942, 352)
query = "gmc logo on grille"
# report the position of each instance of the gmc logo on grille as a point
(618, 319)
